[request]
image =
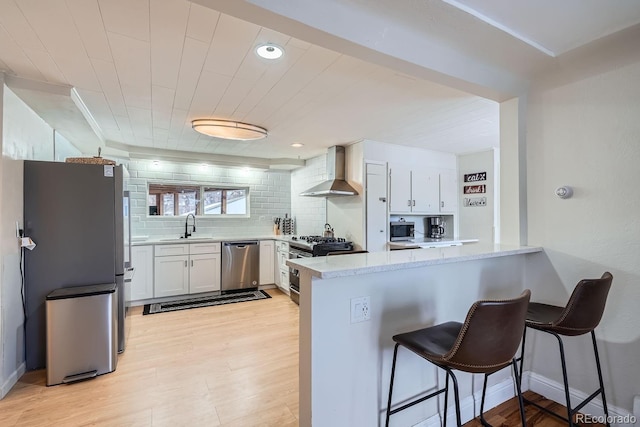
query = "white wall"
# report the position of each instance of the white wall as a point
(24, 136)
(381, 152)
(63, 148)
(269, 193)
(512, 173)
(477, 221)
(586, 134)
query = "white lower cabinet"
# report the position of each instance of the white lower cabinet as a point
(172, 275)
(142, 280)
(282, 269)
(186, 269)
(267, 264)
(204, 273)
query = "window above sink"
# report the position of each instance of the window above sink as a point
(170, 199)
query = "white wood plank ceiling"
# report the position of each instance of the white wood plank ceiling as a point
(146, 68)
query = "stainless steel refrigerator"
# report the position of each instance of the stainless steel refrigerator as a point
(75, 213)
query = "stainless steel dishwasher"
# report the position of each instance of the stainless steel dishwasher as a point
(240, 265)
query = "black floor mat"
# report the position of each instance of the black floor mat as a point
(184, 304)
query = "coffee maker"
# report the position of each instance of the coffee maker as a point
(436, 227)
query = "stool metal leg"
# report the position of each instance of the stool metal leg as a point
(565, 379)
(571, 411)
(456, 395)
(484, 390)
(393, 371)
(524, 337)
(604, 399)
(446, 400)
(519, 391)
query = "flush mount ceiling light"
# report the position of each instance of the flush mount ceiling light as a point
(269, 51)
(228, 129)
(297, 145)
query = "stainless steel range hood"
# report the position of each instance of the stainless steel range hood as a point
(335, 185)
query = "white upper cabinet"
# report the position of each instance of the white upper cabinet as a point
(399, 189)
(422, 191)
(413, 191)
(448, 192)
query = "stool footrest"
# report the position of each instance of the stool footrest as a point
(542, 408)
(573, 411)
(415, 402)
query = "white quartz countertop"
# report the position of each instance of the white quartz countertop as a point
(427, 242)
(143, 240)
(349, 265)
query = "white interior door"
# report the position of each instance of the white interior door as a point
(377, 219)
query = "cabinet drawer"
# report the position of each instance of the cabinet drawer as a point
(204, 248)
(169, 250)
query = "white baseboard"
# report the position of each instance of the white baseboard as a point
(554, 390)
(496, 394)
(505, 390)
(12, 380)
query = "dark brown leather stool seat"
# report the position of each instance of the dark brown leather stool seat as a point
(486, 342)
(580, 316)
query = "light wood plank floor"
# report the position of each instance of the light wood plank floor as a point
(231, 365)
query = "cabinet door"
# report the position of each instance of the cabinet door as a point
(448, 191)
(172, 276)
(283, 256)
(425, 189)
(142, 280)
(204, 273)
(400, 200)
(284, 280)
(267, 262)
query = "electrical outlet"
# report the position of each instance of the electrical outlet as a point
(360, 309)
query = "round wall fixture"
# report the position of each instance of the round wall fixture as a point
(564, 192)
(269, 51)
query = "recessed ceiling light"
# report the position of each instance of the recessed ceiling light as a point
(269, 51)
(297, 145)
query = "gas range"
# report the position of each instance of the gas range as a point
(310, 241)
(318, 245)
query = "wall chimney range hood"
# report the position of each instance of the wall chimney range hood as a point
(335, 185)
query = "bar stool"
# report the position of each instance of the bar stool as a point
(581, 315)
(485, 343)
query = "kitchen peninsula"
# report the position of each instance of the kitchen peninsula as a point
(345, 362)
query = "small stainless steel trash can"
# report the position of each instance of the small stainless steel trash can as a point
(82, 332)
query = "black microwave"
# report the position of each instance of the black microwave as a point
(401, 230)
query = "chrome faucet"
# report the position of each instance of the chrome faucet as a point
(186, 226)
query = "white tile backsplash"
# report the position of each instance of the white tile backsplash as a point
(309, 212)
(269, 192)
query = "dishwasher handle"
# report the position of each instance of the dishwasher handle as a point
(240, 244)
